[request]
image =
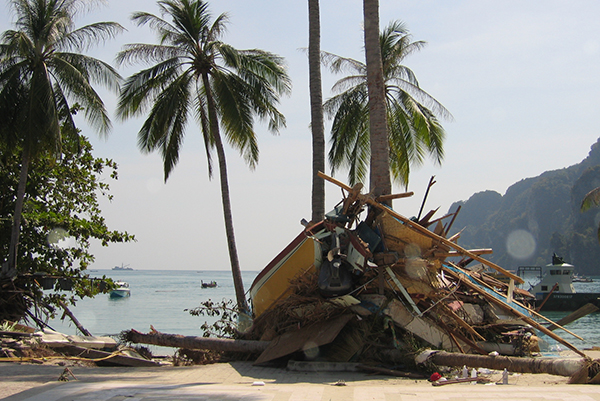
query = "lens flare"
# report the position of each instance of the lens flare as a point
(59, 238)
(520, 244)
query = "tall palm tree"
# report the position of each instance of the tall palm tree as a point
(413, 128)
(379, 181)
(198, 74)
(41, 70)
(316, 110)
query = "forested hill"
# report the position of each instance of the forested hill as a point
(537, 217)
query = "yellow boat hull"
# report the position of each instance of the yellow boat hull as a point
(302, 255)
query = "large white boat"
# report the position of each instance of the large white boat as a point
(121, 291)
(552, 286)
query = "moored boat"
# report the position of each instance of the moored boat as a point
(121, 291)
(552, 286)
(210, 284)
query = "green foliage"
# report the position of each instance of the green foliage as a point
(414, 130)
(61, 215)
(227, 313)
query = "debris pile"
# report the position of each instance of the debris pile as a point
(358, 289)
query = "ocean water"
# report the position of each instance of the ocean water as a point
(159, 299)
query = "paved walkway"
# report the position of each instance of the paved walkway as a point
(242, 381)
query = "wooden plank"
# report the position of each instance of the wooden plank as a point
(579, 313)
(385, 198)
(514, 311)
(425, 231)
(403, 291)
(443, 240)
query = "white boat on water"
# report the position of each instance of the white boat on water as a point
(121, 291)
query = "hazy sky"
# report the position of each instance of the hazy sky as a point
(521, 79)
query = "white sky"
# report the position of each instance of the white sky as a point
(521, 79)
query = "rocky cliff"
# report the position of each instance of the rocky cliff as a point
(537, 217)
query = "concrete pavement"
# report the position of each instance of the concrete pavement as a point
(242, 381)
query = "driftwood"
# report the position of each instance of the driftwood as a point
(82, 329)
(102, 358)
(192, 342)
(552, 366)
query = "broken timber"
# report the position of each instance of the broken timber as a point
(425, 231)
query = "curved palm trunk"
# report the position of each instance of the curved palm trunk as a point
(316, 110)
(233, 256)
(16, 226)
(380, 181)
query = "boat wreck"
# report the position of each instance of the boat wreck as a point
(367, 280)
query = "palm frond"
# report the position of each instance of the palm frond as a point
(83, 38)
(591, 199)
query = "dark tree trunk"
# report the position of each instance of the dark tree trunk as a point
(229, 232)
(316, 110)
(191, 342)
(10, 269)
(380, 181)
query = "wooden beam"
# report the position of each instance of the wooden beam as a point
(514, 311)
(425, 231)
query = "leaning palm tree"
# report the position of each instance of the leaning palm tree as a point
(41, 71)
(197, 74)
(413, 128)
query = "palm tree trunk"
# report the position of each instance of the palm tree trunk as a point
(238, 283)
(316, 110)
(16, 227)
(380, 181)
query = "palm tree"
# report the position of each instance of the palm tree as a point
(196, 73)
(316, 110)
(41, 70)
(413, 128)
(379, 181)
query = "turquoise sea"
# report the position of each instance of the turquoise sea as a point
(160, 297)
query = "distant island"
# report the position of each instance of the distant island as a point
(122, 267)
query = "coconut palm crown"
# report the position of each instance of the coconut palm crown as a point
(194, 74)
(42, 69)
(414, 130)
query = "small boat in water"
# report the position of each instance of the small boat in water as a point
(552, 286)
(581, 279)
(210, 284)
(121, 291)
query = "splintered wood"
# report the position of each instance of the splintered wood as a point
(391, 272)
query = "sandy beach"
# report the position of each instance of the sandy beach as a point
(242, 380)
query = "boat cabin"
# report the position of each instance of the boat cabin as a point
(543, 279)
